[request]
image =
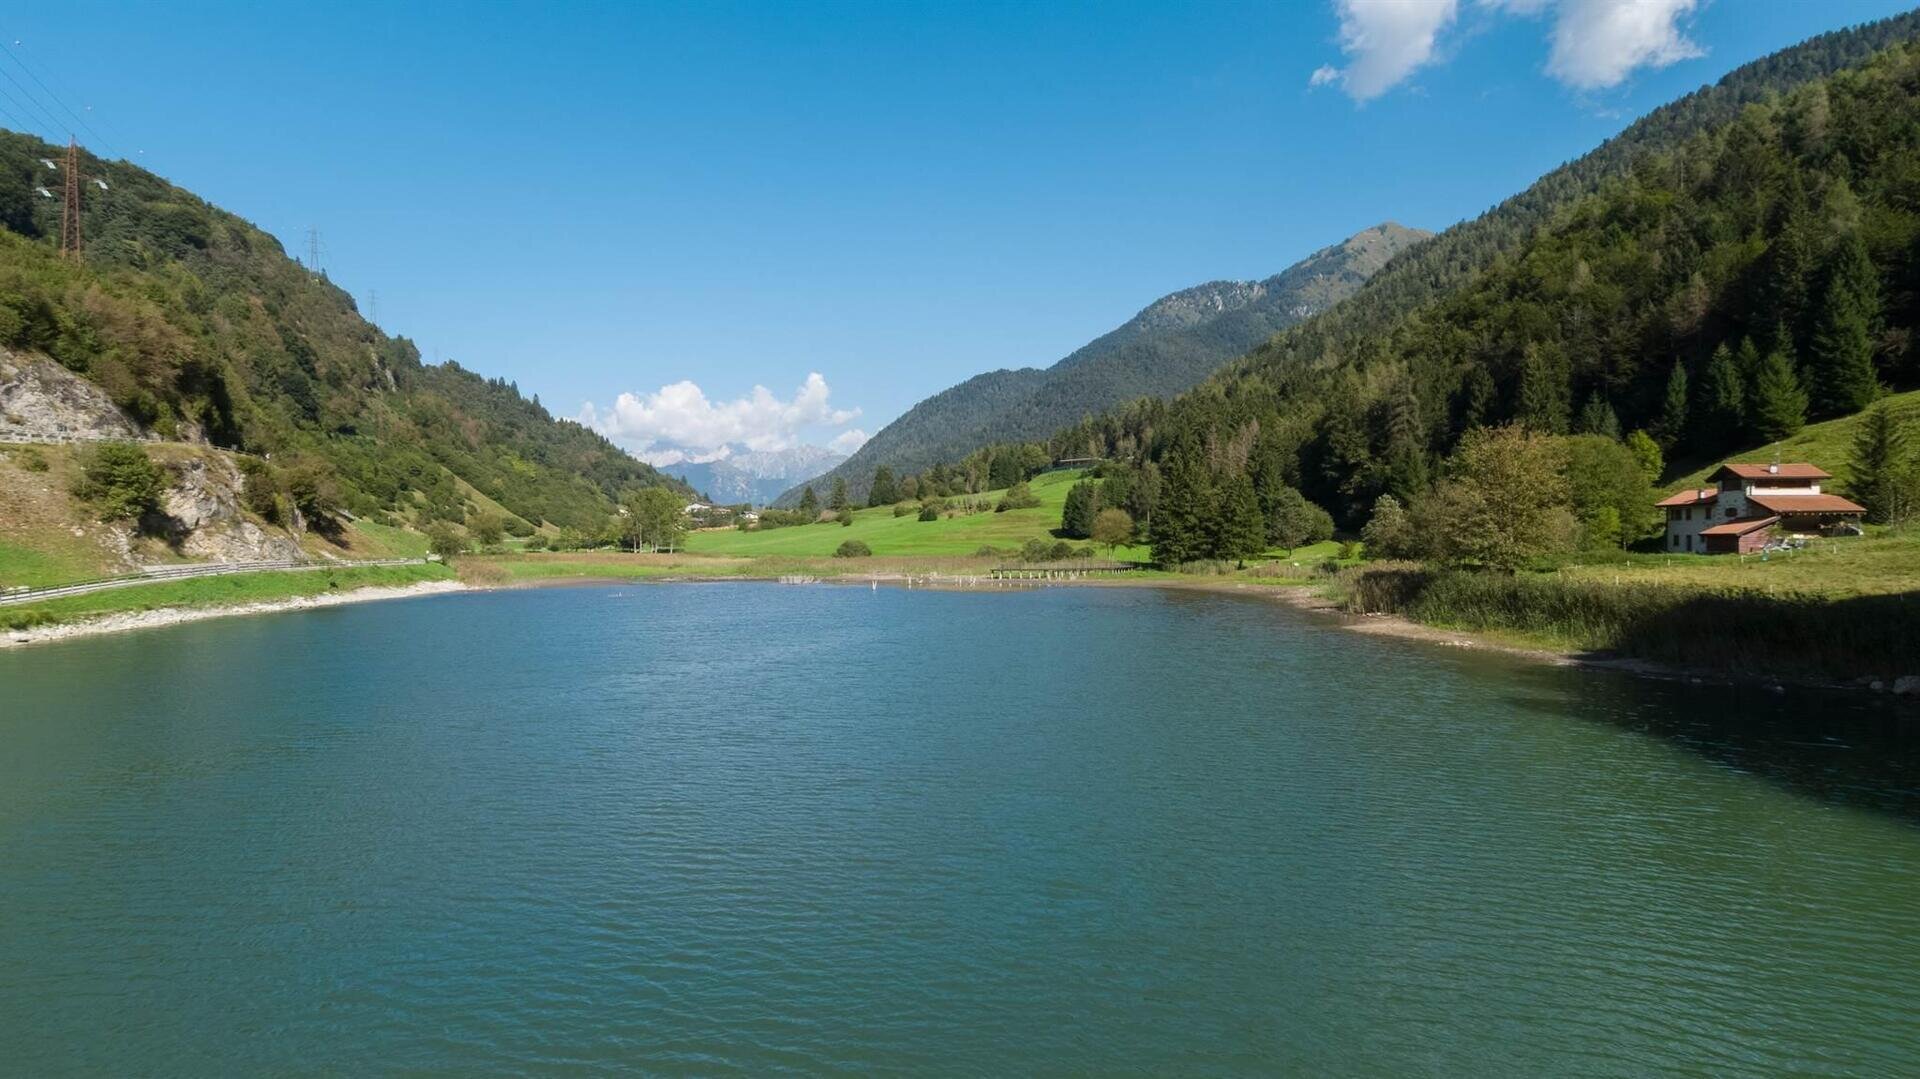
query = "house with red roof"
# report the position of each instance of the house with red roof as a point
(1751, 504)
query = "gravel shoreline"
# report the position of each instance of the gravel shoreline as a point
(128, 621)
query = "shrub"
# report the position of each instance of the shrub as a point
(845, 517)
(260, 490)
(1018, 497)
(1035, 550)
(536, 542)
(445, 542)
(929, 512)
(901, 509)
(853, 549)
(30, 459)
(121, 480)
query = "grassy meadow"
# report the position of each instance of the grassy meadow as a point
(955, 534)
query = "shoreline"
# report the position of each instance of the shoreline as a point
(159, 617)
(1300, 597)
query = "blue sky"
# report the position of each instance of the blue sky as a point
(607, 199)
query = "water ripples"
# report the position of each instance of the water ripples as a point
(753, 829)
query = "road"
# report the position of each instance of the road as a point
(185, 572)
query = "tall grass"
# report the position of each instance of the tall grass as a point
(1731, 630)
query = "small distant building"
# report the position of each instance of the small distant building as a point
(1750, 504)
(697, 507)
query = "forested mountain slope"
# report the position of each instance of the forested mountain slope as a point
(1174, 343)
(200, 328)
(1737, 262)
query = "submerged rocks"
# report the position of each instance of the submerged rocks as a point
(1907, 685)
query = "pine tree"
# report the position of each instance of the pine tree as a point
(884, 492)
(809, 502)
(1181, 519)
(1722, 399)
(1544, 401)
(1877, 475)
(1083, 505)
(1840, 352)
(838, 503)
(1239, 531)
(1598, 418)
(1779, 404)
(1671, 428)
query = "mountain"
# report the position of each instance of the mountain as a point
(200, 329)
(1175, 342)
(1737, 260)
(754, 476)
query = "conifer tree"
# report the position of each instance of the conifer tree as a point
(1181, 519)
(1543, 389)
(884, 492)
(1598, 418)
(838, 502)
(1083, 505)
(1239, 531)
(1840, 351)
(1779, 404)
(1722, 399)
(809, 502)
(1671, 428)
(1879, 474)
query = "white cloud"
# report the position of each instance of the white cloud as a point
(679, 423)
(848, 440)
(1385, 41)
(1598, 43)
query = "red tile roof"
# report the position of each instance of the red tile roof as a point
(1806, 504)
(1740, 527)
(1797, 470)
(1689, 498)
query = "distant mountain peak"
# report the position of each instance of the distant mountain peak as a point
(1169, 346)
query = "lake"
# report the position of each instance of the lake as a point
(746, 828)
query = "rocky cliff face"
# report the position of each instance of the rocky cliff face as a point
(205, 521)
(43, 401)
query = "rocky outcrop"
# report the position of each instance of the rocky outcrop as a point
(43, 401)
(205, 521)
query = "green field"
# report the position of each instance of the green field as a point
(889, 535)
(226, 591)
(1828, 444)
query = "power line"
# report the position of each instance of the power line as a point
(53, 126)
(99, 140)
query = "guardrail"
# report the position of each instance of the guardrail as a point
(188, 571)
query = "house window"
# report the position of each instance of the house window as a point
(1689, 543)
(1729, 513)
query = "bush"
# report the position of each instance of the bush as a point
(929, 512)
(1349, 551)
(121, 480)
(845, 517)
(445, 542)
(260, 490)
(536, 542)
(30, 459)
(1018, 497)
(853, 549)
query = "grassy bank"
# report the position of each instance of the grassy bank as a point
(1734, 631)
(227, 591)
(888, 535)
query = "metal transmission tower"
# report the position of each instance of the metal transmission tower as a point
(314, 248)
(70, 211)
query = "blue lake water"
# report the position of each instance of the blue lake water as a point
(745, 828)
